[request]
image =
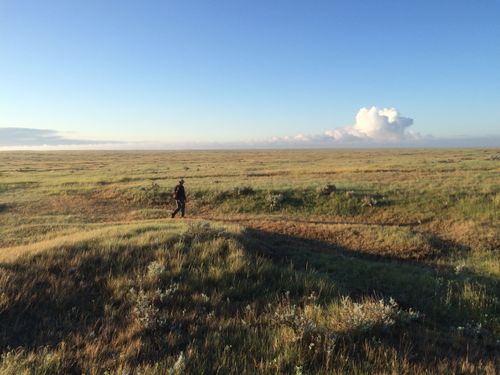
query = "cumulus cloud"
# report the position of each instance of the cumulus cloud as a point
(376, 124)
(372, 125)
(29, 137)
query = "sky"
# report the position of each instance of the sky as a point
(182, 74)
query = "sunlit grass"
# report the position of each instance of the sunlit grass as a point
(153, 291)
(395, 270)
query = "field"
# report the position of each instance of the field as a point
(288, 262)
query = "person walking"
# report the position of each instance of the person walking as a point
(180, 198)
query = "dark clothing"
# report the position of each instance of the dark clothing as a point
(181, 206)
(179, 193)
(180, 199)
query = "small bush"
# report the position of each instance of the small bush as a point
(292, 316)
(179, 365)
(311, 323)
(145, 311)
(219, 196)
(153, 195)
(197, 194)
(343, 205)
(150, 195)
(156, 270)
(146, 306)
(349, 194)
(369, 314)
(244, 190)
(201, 231)
(493, 157)
(275, 200)
(326, 189)
(369, 201)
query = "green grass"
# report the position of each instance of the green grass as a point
(394, 271)
(233, 301)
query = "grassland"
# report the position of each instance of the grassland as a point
(359, 261)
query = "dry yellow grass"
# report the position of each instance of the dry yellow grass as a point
(95, 276)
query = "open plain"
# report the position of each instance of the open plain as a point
(288, 262)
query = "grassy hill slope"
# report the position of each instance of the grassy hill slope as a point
(197, 297)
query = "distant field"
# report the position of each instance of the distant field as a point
(310, 261)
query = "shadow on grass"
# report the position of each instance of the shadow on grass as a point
(316, 237)
(65, 296)
(55, 295)
(449, 300)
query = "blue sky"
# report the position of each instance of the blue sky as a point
(243, 71)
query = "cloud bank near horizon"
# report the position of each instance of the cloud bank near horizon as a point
(372, 125)
(13, 137)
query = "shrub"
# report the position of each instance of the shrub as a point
(326, 189)
(179, 365)
(493, 157)
(202, 230)
(294, 317)
(197, 194)
(219, 196)
(155, 270)
(349, 193)
(275, 200)
(244, 190)
(150, 195)
(369, 201)
(366, 315)
(145, 311)
(153, 195)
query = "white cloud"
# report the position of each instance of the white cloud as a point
(375, 124)
(25, 138)
(372, 125)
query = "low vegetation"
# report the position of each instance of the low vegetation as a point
(310, 262)
(158, 298)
